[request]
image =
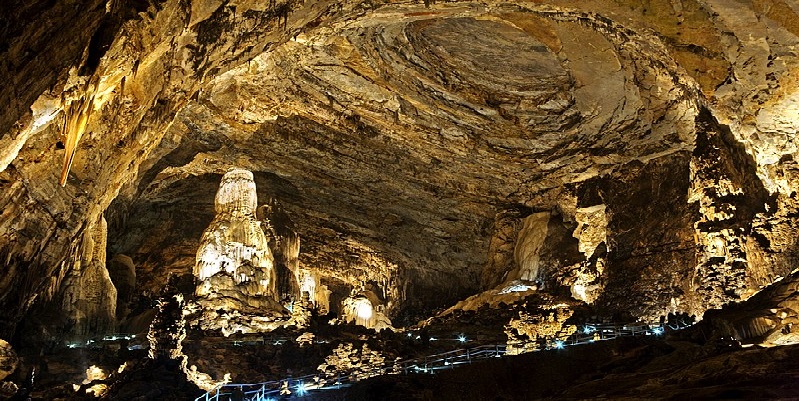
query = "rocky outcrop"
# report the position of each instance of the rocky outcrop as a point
(767, 318)
(347, 360)
(8, 359)
(535, 330)
(729, 196)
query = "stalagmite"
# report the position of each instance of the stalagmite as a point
(89, 297)
(234, 245)
(531, 238)
(236, 281)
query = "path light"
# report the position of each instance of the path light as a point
(462, 338)
(559, 344)
(301, 390)
(589, 329)
(657, 331)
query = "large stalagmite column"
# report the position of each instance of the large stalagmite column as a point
(234, 246)
(89, 297)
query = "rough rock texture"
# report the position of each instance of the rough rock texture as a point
(346, 360)
(8, 359)
(767, 318)
(535, 331)
(88, 297)
(234, 260)
(409, 143)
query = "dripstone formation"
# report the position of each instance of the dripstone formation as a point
(235, 270)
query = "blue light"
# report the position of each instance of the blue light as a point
(657, 331)
(462, 338)
(301, 390)
(410, 334)
(559, 344)
(589, 329)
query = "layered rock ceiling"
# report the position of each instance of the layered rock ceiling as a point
(637, 155)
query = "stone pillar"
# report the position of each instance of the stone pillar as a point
(89, 297)
(234, 249)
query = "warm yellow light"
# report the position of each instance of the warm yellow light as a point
(363, 309)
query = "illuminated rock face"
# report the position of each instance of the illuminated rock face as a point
(8, 359)
(768, 318)
(364, 309)
(589, 90)
(234, 247)
(531, 331)
(236, 279)
(89, 297)
(528, 246)
(346, 359)
(731, 202)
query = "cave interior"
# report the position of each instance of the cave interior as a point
(203, 194)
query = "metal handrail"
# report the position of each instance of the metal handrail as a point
(430, 363)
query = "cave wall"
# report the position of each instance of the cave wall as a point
(400, 148)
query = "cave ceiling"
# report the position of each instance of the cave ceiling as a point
(393, 134)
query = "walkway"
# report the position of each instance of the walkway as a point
(301, 386)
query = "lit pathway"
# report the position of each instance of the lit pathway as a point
(301, 386)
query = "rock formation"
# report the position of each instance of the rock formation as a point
(89, 296)
(8, 359)
(365, 309)
(535, 331)
(348, 360)
(235, 270)
(234, 246)
(768, 318)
